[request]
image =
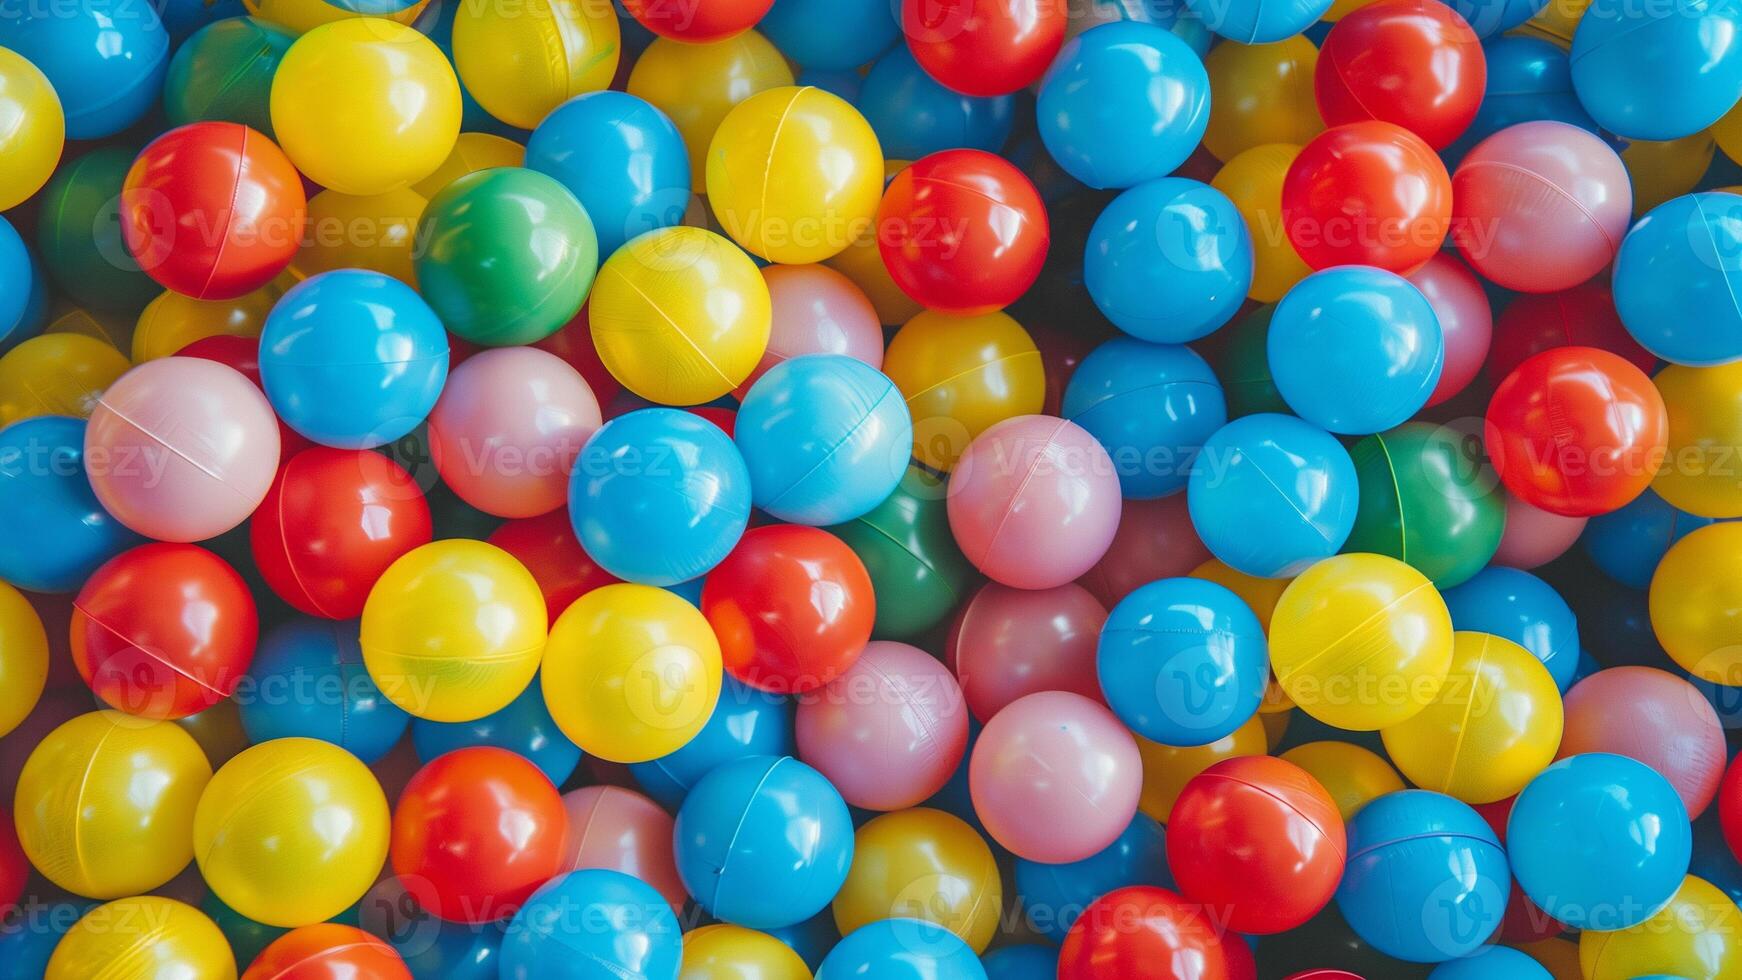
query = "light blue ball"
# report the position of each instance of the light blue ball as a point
(1529, 79)
(585, 925)
(914, 116)
(1516, 605)
(745, 722)
(1658, 71)
(1027, 962)
(1490, 17)
(28, 937)
(901, 949)
(811, 939)
(1256, 21)
(522, 726)
(434, 949)
(53, 532)
(307, 680)
(1151, 406)
(23, 291)
(836, 35)
(1492, 963)
(105, 58)
(1627, 544)
(1673, 276)
(1055, 895)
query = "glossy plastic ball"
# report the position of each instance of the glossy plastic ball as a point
(744, 722)
(831, 35)
(1152, 446)
(1352, 775)
(620, 830)
(1701, 404)
(1669, 280)
(1174, 231)
(472, 152)
(697, 84)
(1427, 498)
(1155, 540)
(327, 950)
(1008, 643)
(1466, 317)
(816, 310)
(377, 232)
(902, 949)
(24, 659)
(1517, 606)
(1415, 63)
(1693, 604)
(56, 374)
(623, 160)
(105, 61)
(1583, 316)
(223, 72)
(1692, 936)
(635, 933)
(1054, 895)
(1367, 193)
(521, 64)
(984, 49)
(179, 937)
(1627, 544)
(28, 154)
(78, 235)
(1651, 74)
(525, 727)
(1143, 933)
(960, 375)
(922, 864)
(726, 952)
(914, 116)
(308, 681)
(1253, 181)
(1264, 95)
(53, 532)
(174, 321)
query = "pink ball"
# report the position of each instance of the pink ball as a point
(1034, 502)
(1655, 717)
(505, 432)
(817, 311)
(618, 829)
(1155, 540)
(1466, 320)
(181, 448)
(889, 732)
(1010, 643)
(1055, 777)
(1534, 536)
(1540, 206)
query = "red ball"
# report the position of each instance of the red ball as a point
(1730, 806)
(984, 47)
(1259, 838)
(724, 418)
(331, 523)
(327, 951)
(212, 210)
(1368, 193)
(792, 607)
(1583, 316)
(14, 866)
(697, 21)
(164, 630)
(1143, 933)
(242, 354)
(1324, 975)
(1576, 431)
(1415, 63)
(547, 546)
(476, 831)
(962, 232)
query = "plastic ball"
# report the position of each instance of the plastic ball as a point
(56, 374)
(680, 316)
(453, 630)
(173, 321)
(28, 154)
(1253, 181)
(914, 116)
(740, 849)
(1492, 963)
(714, 20)
(960, 375)
(353, 359)
(524, 727)
(831, 35)
(376, 232)
(816, 310)
(53, 532)
(1535, 537)
(223, 72)
(984, 49)
(1367, 193)
(308, 680)
(1415, 63)
(623, 159)
(213, 210)
(1694, 604)
(1053, 896)
(78, 235)
(146, 934)
(1460, 303)
(1264, 94)
(548, 548)
(621, 830)
(901, 949)
(163, 630)
(633, 931)
(291, 832)
(726, 952)
(962, 231)
(1168, 768)
(697, 84)
(1693, 935)
(24, 659)
(1155, 540)
(1669, 280)
(1008, 643)
(1627, 544)
(1528, 79)
(104, 61)
(1428, 498)
(1035, 748)
(1495, 724)
(1352, 775)
(1169, 260)
(916, 570)
(1650, 74)
(1517, 606)
(744, 722)
(1282, 497)
(926, 865)
(1432, 858)
(1540, 206)
(1143, 933)
(472, 152)
(1698, 475)
(80, 819)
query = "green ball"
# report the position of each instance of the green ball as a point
(917, 572)
(79, 235)
(505, 256)
(1244, 367)
(1428, 497)
(224, 73)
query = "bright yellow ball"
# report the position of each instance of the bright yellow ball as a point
(472, 152)
(1167, 768)
(1702, 470)
(1253, 181)
(1264, 94)
(521, 60)
(373, 231)
(1352, 775)
(961, 375)
(632, 672)
(366, 105)
(922, 864)
(302, 16)
(56, 374)
(143, 938)
(697, 84)
(32, 129)
(23, 657)
(174, 320)
(1696, 603)
(726, 952)
(1698, 935)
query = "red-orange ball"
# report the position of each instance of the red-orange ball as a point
(1415, 63)
(1143, 933)
(1368, 193)
(327, 951)
(984, 47)
(697, 21)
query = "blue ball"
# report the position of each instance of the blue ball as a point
(23, 292)
(1169, 260)
(1658, 71)
(353, 359)
(1426, 879)
(589, 924)
(524, 726)
(690, 592)
(901, 949)
(745, 722)
(1054, 895)
(826, 438)
(811, 939)
(53, 532)
(1627, 544)
(845, 84)
(1123, 103)
(1712, 859)
(914, 116)
(437, 950)
(1599, 841)
(763, 842)
(1492, 963)
(29, 935)
(1258, 22)
(1151, 406)
(183, 17)
(105, 58)
(1529, 79)
(1183, 661)
(621, 157)
(1027, 962)
(1355, 349)
(1270, 495)
(1489, 17)
(659, 496)
(1672, 279)
(308, 681)
(1516, 605)
(838, 35)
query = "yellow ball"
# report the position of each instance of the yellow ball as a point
(632, 672)
(1253, 181)
(1167, 768)
(680, 315)
(1264, 94)
(105, 804)
(174, 320)
(143, 938)
(23, 657)
(472, 152)
(697, 84)
(522, 60)
(1701, 472)
(794, 174)
(1352, 775)
(1343, 8)
(1361, 641)
(862, 262)
(373, 231)
(1495, 725)
(725, 952)
(1697, 936)
(453, 630)
(291, 832)
(56, 374)
(366, 105)
(218, 730)
(1696, 603)
(32, 129)
(1667, 169)
(961, 375)
(302, 16)
(922, 864)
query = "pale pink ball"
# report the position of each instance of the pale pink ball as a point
(1466, 320)
(1534, 536)
(817, 311)
(1655, 717)
(181, 448)
(618, 829)
(505, 433)
(1155, 540)
(1009, 643)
